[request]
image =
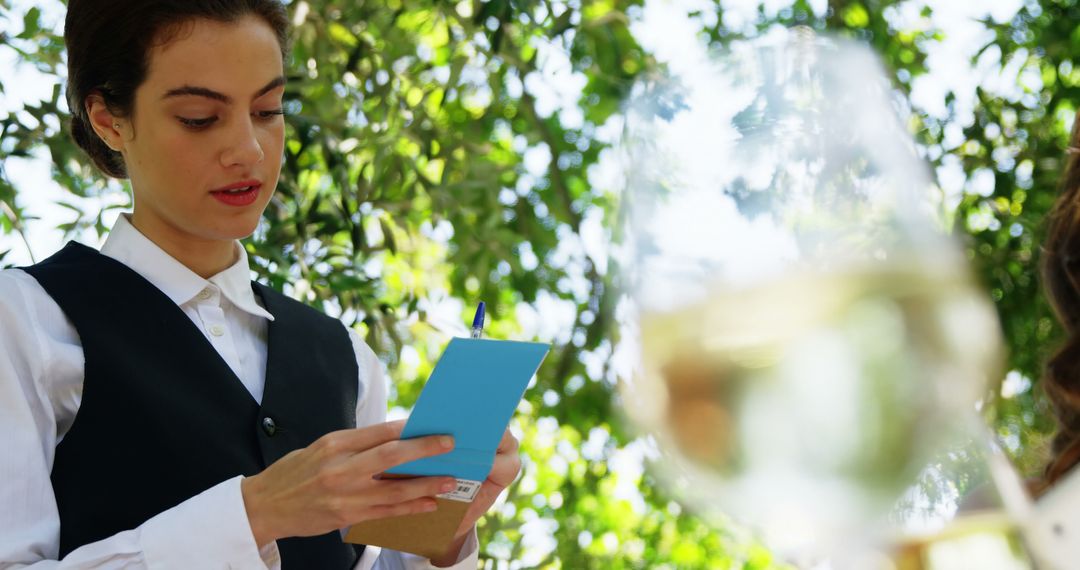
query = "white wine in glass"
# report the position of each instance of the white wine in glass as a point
(807, 332)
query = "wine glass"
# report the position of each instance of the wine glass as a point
(967, 509)
(806, 331)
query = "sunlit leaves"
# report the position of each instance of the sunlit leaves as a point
(427, 167)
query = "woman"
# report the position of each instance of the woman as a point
(1061, 278)
(161, 410)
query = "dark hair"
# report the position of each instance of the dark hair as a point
(108, 43)
(1060, 265)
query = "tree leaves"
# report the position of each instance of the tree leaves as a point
(405, 188)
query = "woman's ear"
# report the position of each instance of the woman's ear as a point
(107, 127)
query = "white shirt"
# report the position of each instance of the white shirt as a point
(41, 381)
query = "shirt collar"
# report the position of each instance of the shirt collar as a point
(129, 246)
(235, 284)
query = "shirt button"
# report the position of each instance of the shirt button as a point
(269, 426)
(204, 294)
(217, 330)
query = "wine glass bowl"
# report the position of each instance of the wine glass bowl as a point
(806, 331)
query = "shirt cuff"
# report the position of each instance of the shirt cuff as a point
(209, 530)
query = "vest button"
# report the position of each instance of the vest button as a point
(269, 426)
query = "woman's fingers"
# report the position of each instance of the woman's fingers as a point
(507, 461)
(332, 483)
(354, 472)
(348, 441)
(415, 506)
(505, 470)
(394, 491)
(508, 443)
(375, 449)
(392, 497)
(394, 453)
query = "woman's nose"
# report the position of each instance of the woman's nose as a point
(243, 148)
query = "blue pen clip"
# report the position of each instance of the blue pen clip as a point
(478, 321)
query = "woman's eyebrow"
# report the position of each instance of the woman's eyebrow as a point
(217, 96)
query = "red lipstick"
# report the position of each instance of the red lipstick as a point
(242, 193)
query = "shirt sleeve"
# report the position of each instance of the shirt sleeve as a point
(41, 370)
(371, 409)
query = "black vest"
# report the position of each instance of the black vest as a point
(164, 418)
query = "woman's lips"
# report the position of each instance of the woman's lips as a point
(238, 197)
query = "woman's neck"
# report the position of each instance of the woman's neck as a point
(204, 257)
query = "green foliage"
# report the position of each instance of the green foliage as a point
(405, 182)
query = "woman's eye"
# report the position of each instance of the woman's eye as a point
(270, 114)
(197, 123)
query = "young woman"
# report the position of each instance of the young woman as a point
(1061, 279)
(159, 409)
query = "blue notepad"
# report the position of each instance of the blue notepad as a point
(471, 395)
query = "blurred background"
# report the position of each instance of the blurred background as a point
(444, 153)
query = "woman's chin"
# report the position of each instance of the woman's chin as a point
(239, 227)
(237, 233)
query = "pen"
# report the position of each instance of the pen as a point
(478, 321)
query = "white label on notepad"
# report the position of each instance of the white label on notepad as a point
(465, 491)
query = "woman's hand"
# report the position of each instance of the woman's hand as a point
(331, 483)
(505, 469)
